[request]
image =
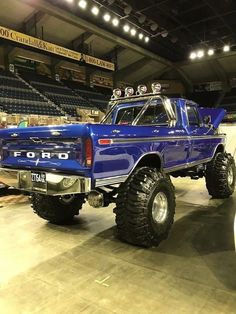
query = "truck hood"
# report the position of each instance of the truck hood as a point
(216, 114)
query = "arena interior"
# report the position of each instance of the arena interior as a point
(60, 61)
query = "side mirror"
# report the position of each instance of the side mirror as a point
(207, 120)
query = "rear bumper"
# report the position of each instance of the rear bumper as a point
(55, 184)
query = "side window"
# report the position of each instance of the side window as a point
(126, 116)
(155, 114)
(193, 117)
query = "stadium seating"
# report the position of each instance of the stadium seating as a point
(58, 93)
(19, 98)
(93, 95)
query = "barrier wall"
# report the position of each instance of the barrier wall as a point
(230, 131)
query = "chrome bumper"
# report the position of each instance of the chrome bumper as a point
(55, 184)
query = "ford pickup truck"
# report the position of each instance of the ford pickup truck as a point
(127, 159)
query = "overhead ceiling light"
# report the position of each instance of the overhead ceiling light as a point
(154, 27)
(193, 55)
(133, 32)
(115, 21)
(126, 28)
(164, 33)
(127, 9)
(200, 53)
(140, 36)
(95, 10)
(82, 4)
(106, 17)
(226, 48)
(142, 18)
(147, 39)
(211, 52)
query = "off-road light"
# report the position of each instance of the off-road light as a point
(226, 48)
(117, 93)
(115, 22)
(193, 55)
(82, 4)
(129, 91)
(142, 89)
(210, 52)
(106, 17)
(126, 28)
(156, 88)
(133, 32)
(95, 10)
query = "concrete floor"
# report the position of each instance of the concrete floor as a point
(83, 268)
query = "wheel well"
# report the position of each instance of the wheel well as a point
(150, 160)
(220, 149)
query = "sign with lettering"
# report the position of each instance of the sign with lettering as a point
(37, 43)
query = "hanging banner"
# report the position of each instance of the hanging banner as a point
(30, 41)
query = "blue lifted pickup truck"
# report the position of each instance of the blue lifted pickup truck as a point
(127, 159)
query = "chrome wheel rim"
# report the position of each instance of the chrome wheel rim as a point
(66, 199)
(230, 176)
(160, 207)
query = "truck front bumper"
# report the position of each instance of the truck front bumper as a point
(54, 183)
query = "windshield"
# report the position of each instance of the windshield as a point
(155, 114)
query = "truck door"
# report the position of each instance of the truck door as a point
(201, 146)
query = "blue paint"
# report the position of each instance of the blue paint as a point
(114, 159)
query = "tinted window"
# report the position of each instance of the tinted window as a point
(193, 118)
(155, 114)
(127, 115)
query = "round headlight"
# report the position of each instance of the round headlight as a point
(117, 93)
(129, 91)
(156, 88)
(142, 89)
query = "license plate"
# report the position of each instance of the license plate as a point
(38, 177)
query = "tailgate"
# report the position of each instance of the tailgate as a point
(54, 148)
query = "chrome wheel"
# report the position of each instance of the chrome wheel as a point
(66, 199)
(160, 207)
(230, 176)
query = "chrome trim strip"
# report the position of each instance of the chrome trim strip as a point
(187, 165)
(111, 180)
(164, 139)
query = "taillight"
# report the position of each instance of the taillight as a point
(88, 152)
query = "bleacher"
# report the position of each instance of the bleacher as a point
(16, 97)
(58, 93)
(93, 95)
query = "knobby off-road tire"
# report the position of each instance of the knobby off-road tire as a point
(57, 209)
(145, 207)
(220, 176)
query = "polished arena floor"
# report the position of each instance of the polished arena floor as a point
(83, 268)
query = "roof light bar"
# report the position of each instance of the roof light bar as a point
(141, 90)
(116, 93)
(156, 88)
(129, 91)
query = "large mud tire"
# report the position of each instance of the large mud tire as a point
(56, 209)
(220, 176)
(139, 218)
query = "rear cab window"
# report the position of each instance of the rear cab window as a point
(193, 115)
